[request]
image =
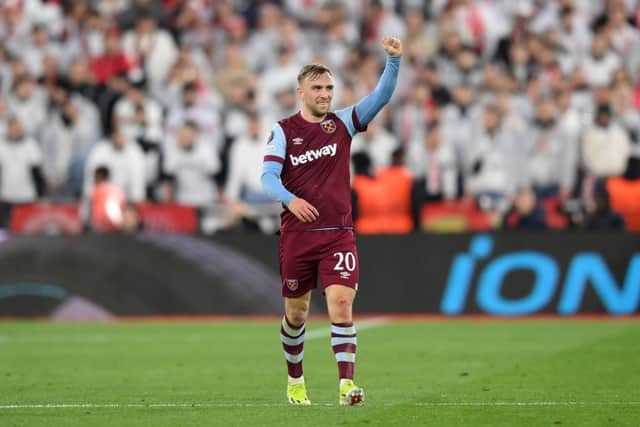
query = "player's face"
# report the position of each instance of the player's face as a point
(316, 94)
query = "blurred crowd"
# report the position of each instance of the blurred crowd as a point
(501, 104)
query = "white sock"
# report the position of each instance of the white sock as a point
(292, 381)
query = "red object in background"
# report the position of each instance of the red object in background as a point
(555, 219)
(45, 219)
(168, 217)
(467, 215)
(107, 207)
(105, 67)
(624, 196)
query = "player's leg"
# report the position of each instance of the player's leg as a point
(292, 336)
(344, 341)
(339, 272)
(298, 279)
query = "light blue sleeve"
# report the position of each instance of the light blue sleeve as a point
(272, 166)
(367, 108)
(277, 143)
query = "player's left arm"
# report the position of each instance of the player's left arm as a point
(367, 108)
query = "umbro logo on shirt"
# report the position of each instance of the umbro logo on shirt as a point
(311, 155)
(297, 141)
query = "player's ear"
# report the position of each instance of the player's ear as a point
(299, 91)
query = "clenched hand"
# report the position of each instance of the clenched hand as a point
(392, 45)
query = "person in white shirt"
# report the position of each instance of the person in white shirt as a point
(190, 166)
(152, 47)
(125, 161)
(34, 53)
(140, 118)
(605, 146)
(28, 103)
(245, 197)
(245, 161)
(72, 129)
(21, 179)
(550, 165)
(492, 167)
(378, 143)
(432, 161)
(601, 62)
(200, 107)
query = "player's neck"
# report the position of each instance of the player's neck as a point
(310, 117)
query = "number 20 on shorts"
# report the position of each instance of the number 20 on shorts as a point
(346, 260)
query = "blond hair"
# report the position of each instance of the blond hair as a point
(313, 71)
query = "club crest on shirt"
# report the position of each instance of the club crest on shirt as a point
(292, 284)
(328, 126)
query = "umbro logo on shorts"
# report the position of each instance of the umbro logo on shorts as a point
(311, 155)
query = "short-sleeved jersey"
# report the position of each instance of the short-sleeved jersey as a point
(315, 166)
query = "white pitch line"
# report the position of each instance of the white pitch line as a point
(214, 405)
(103, 338)
(569, 403)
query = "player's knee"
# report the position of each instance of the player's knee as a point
(341, 304)
(298, 315)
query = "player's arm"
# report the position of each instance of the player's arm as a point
(271, 183)
(357, 117)
(367, 108)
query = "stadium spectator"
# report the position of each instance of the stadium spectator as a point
(600, 216)
(601, 61)
(378, 143)
(526, 213)
(218, 62)
(432, 162)
(605, 146)
(4, 116)
(190, 166)
(365, 194)
(34, 53)
(112, 61)
(140, 117)
(197, 104)
(492, 168)
(151, 46)
(382, 203)
(397, 214)
(412, 115)
(21, 178)
(605, 153)
(243, 183)
(28, 103)
(125, 161)
(72, 129)
(550, 155)
(107, 203)
(243, 191)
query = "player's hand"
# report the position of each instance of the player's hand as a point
(392, 45)
(303, 210)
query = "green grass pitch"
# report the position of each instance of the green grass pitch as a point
(232, 373)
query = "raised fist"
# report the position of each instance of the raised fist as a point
(392, 45)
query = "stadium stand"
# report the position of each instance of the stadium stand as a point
(495, 97)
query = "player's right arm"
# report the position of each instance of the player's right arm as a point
(271, 183)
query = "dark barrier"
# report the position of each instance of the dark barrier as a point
(155, 274)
